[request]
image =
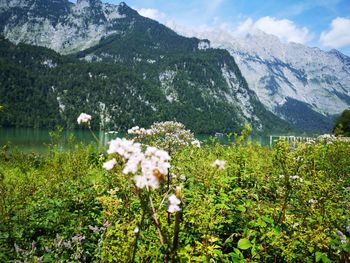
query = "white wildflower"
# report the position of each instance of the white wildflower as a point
(173, 208)
(136, 130)
(220, 164)
(313, 201)
(109, 164)
(167, 135)
(150, 182)
(124, 147)
(94, 228)
(84, 118)
(136, 230)
(174, 200)
(196, 143)
(150, 151)
(174, 203)
(296, 177)
(153, 163)
(133, 130)
(133, 163)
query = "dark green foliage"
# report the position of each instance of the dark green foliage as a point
(48, 200)
(342, 124)
(304, 118)
(268, 205)
(127, 82)
(40, 88)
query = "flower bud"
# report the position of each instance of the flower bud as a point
(178, 192)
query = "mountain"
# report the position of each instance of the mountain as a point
(303, 85)
(41, 88)
(58, 24)
(123, 68)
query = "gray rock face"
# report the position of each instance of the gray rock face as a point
(58, 24)
(290, 78)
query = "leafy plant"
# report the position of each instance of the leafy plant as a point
(239, 202)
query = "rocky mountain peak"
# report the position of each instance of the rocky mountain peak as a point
(289, 77)
(88, 3)
(123, 8)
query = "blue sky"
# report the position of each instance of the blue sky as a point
(321, 23)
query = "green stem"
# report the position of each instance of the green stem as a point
(155, 219)
(162, 236)
(93, 134)
(176, 235)
(138, 233)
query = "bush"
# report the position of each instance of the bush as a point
(342, 124)
(286, 204)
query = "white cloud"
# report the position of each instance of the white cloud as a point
(339, 34)
(151, 13)
(217, 34)
(284, 29)
(245, 27)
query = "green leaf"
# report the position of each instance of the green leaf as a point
(268, 219)
(318, 256)
(322, 257)
(241, 208)
(325, 259)
(311, 249)
(244, 243)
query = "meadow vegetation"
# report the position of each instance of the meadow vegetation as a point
(239, 202)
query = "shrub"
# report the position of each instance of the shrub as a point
(234, 203)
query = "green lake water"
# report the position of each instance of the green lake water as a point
(38, 140)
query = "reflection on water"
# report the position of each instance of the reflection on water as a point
(37, 140)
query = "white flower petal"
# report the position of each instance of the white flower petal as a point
(84, 118)
(109, 164)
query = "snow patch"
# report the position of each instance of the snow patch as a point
(203, 44)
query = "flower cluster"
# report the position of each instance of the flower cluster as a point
(109, 164)
(296, 177)
(168, 135)
(196, 143)
(313, 201)
(153, 163)
(168, 126)
(84, 118)
(329, 138)
(326, 137)
(174, 203)
(140, 131)
(220, 164)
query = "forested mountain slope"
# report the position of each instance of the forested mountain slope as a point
(134, 71)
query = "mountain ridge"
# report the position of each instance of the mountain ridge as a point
(197, 85)
(283, 72)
